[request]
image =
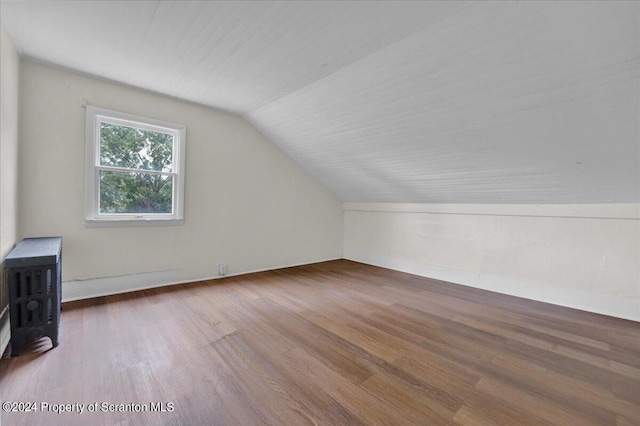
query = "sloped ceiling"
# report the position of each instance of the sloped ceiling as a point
(468, 102)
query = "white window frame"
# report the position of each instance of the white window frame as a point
(93, 217)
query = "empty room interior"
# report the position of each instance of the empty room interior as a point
(320, 213)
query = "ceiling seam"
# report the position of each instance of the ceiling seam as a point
(400, 40)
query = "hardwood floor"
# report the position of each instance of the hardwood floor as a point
(331, 343)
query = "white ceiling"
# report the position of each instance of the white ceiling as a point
(476, 102)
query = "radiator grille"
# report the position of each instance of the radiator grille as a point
(34, 273)
(33, 301)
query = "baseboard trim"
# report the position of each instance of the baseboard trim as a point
(107, 286)
(614, 306)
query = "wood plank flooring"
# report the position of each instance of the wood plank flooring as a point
(331, 343)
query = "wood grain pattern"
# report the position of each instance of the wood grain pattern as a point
(331, 343)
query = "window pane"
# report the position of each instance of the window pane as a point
(122, 146)
(124, 192)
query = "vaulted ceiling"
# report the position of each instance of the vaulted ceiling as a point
(467, 102)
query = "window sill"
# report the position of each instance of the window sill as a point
(112, 223)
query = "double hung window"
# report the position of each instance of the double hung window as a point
(134, 169)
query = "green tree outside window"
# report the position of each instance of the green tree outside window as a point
(136, 190)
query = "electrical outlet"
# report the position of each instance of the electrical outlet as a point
(222, 269)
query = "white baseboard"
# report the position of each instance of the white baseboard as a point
(106, 286)
(614, 306)
(5, 333)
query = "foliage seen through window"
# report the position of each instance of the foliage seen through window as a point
(129, 191)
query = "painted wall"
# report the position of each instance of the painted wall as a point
(9, 78)
(582, 256)
(9, 63)
(246, 203)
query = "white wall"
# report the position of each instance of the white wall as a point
(9, 62)
(582, 256)
(246, 203)
(9, 68)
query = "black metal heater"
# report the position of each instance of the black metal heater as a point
(34, 275)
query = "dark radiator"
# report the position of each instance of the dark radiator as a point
(4, 294)
(34, 276)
